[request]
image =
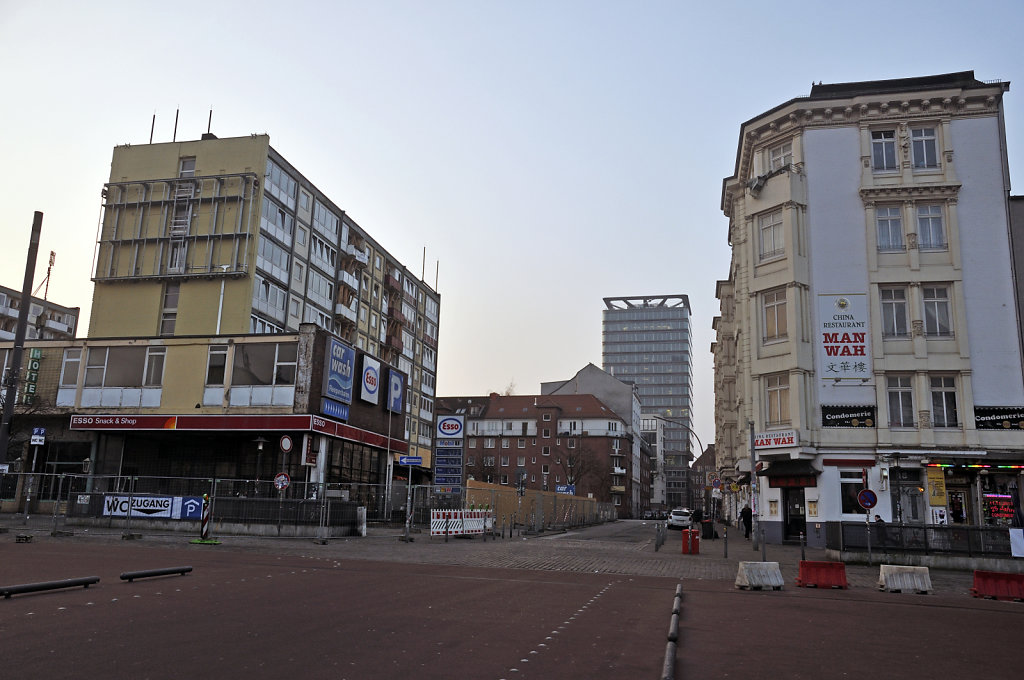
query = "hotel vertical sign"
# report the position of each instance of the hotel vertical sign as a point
(844, 339)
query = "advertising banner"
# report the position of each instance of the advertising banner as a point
(999, 417)
(844, 347)
(339, 370)
(847, 416)
(936, 486)
(161, 507)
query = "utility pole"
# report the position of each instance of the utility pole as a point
(756, 524)
(19, 339)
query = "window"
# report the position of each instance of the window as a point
(488, 443)
(930, 233)
(777, 399)
(770, 229)
(504, 461)
(154, 375)
(488, 461)
(547, 417)
(521, 461)
(894, 312)
(470, 461)
(944, 401)
(544, 469)
(901, 400)
(780, 156)
(264, 364)
(925, 148)
(169, 314)
(883, 150)
(521, 443)
(216, 362)
(571, 443)
(187, 167)
(890, 227)
(69, 371)
(472, 443)
(504, 479)
(545, 451)
(851, 482)
(506, 443)
(774, 308)
(546, 433)
(936, 311)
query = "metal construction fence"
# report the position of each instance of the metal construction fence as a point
(263, 508)
(927, 539)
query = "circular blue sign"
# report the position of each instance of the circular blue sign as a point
(867, 499)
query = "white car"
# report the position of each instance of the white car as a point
(680, 518)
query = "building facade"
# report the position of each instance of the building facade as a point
(219, 237)
(46, 320)
(231, 407)
(570, 443)
(646, 342)
(868, 337)
(624, 400)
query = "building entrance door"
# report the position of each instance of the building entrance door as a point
(795, 513)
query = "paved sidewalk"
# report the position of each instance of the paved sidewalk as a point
(718, 559)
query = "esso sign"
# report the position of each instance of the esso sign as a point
(450, 427)
(370, 379)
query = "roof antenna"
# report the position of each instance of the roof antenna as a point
(209, 121)
(175, 137)
(151, 127)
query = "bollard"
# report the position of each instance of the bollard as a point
(725, 539)
(764, 558)
(803, 542)
(205, 530)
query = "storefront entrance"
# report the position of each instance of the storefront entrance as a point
(794, 519)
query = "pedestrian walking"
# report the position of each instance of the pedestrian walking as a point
(746, 516)
(883, 535)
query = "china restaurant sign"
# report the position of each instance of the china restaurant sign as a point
(776, 439)
(844, 348)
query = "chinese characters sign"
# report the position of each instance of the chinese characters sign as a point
(844, 346)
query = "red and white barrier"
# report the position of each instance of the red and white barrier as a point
(460, 522)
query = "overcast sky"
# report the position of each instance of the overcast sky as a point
(546, 154)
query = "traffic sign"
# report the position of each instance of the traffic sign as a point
(867, 499)
(410, 460)
(38, 436)
(282, 480)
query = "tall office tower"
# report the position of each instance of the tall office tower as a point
(226, 237)
(646, 342)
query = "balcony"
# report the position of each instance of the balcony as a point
(55, 325)
(394, 341)
(618, 471)
(356, 253)
(618, 489)
(393, 283)
(346, 312)
(349, 280)
(429, 342)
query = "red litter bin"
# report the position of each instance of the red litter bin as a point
(691, 541)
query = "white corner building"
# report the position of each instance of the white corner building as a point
(868, 335)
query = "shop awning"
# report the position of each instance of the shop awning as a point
(790, 473)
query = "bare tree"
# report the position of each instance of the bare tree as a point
(20, 430)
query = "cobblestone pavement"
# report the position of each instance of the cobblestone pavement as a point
(625, 547)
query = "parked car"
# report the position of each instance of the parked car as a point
(680, 518)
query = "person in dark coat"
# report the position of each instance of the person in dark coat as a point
(747, 517)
